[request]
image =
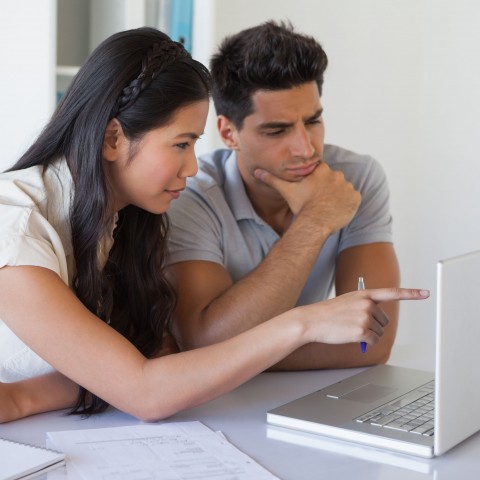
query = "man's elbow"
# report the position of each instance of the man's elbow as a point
(191, 334)
(382, 353)
(190, 341)
(195, 337)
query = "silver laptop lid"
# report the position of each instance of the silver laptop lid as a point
(333, 411)
(457, 384)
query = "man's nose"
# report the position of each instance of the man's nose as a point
(302, 144)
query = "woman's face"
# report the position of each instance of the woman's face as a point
(152, 172)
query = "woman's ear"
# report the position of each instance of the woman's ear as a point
(112, 140)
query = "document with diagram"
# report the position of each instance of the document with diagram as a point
(154, 451)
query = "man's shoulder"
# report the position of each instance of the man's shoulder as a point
(335, 155)
(211, 170)
(360, 169)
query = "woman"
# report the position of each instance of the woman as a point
(82, 243)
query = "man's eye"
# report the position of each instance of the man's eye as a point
(275, 133)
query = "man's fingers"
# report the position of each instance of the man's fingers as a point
(389, 294)
(265, 177)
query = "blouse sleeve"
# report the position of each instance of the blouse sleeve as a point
(27, 238)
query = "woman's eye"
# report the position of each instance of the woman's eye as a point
(182, 146)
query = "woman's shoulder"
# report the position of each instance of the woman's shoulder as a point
(35, 187)
(22, 188)
(34, 207)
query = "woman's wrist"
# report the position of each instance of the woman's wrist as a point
(299, 331)
(11, 402)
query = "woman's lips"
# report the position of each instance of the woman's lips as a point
(175, 193)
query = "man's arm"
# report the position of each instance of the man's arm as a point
(212, 308)
(241, 306)
(377, 264)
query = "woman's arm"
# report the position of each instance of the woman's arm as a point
(55, 324)
(51, 391)
(44, 393)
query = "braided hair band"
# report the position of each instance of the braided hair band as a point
(158, 58)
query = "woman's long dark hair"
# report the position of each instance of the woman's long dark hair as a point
(140, 77)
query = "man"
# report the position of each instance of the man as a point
(277, 219)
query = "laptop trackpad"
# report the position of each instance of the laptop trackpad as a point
(366, 393)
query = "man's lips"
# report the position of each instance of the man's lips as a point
(303, 170)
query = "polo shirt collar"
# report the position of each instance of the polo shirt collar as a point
(236, 194)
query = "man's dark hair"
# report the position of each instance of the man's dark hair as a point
(270, 56)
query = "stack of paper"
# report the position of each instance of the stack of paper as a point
(154, 451)
(18, 460)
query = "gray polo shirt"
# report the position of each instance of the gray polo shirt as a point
(213, 220)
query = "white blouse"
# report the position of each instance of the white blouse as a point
(35, 230)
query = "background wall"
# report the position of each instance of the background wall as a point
(27, 82)
(402, 85)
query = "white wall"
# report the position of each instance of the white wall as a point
(402, 85)
(27, 98)
(28, 49)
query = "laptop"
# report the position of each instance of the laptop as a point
(401, 409)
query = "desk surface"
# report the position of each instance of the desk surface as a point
(241, 416)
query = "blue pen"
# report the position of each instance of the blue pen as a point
(361, 286)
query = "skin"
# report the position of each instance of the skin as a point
(280, 158)
(86, 351)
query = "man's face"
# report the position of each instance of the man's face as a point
(284, 135)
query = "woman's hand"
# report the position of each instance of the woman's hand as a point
(44, 393)
(355, 316)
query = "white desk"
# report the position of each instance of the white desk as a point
(241, 414)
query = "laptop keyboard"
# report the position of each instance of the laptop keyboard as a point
(412, 412)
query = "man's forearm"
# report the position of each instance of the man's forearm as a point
(323, 356)
(322, 203)
(270, 289)
(378, 263)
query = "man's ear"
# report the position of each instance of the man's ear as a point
(112, 140)
(228, 132)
